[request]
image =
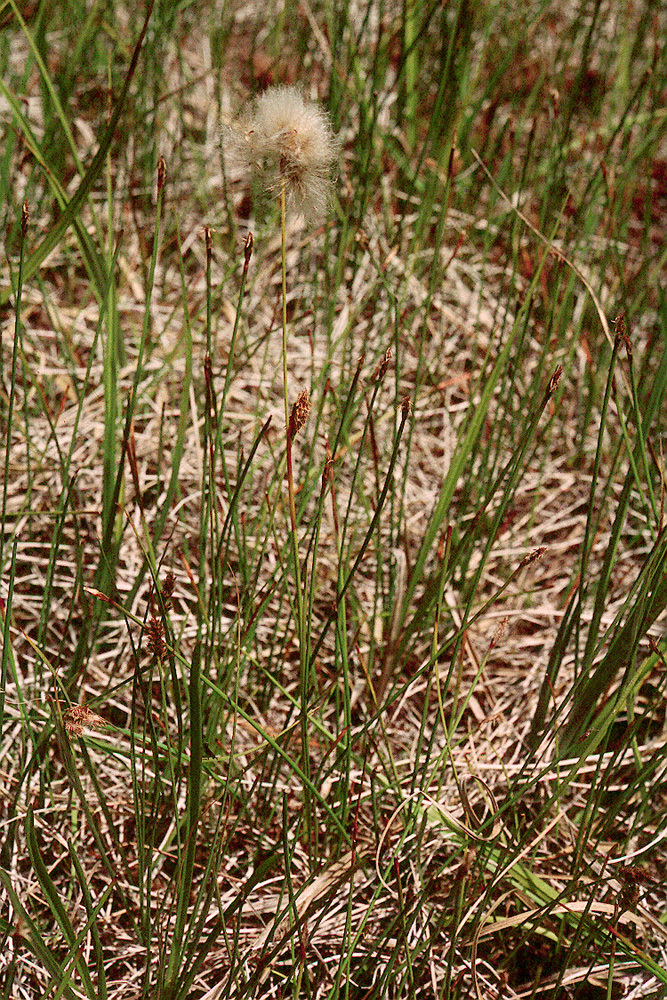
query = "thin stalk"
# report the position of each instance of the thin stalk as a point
(12, 383)
(112, 523)
(410, 85)
(186, 874)
(303, 648)
(290, 473)
(405, 410)
(247, 253)
(207, 512)
(7, 655)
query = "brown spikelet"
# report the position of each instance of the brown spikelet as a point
(532, 557)
(622, 334)
(161, 173)
(327, 472)
(247, 252)
(79, 717)
(381, 369)
(155, 638)
(501, 629)
(300, 413)
(554, 381)
(168, 589)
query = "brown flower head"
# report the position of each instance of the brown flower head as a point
(300, 413)
(79, 717)
(287, 140)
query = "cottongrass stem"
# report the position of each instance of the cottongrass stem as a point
(289, 146)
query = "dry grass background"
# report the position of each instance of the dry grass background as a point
(387, 893)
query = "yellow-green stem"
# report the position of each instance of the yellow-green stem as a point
(288, 450)
(303, 645)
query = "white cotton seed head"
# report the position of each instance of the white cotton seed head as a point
(289, 141)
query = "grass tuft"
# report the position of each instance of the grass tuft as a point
(332, 564)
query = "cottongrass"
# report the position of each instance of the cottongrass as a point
(288, 141)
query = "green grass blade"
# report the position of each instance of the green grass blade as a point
(71, 212)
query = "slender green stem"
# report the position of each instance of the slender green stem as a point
(13, 383)
(186, 874)
(299, 602)
(290, 474)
